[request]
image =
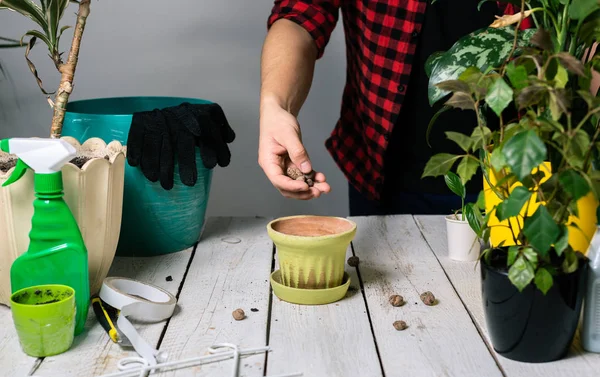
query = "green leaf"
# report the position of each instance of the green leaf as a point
(497, 160)
(439, 164)
(541, 230)
(570, 263)
(474, 218)
(543, 40)
(574, 184)
(531, 256)
(455, 184)
(463, 141)
(580, 9)
(524, 152)
(481, 199)
(454, 86)
(521, 273)
(500, 96)
(513, 253)
(531, 96)
(39, 35)
(515, 202)
(480, 136)
(543, 280)
(517, 74)
(432, 122)
(580, 144)
(432, 61)
(571, 63)
(561, 78)
(563, 241)
(54, 13)
(484, 48)
(460, 100)
(467, 168)
(589, 32)
(27, 8)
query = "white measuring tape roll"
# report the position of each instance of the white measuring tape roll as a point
(143, 302)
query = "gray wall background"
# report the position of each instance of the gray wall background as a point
(193, 48)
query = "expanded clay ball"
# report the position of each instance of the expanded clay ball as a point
(400, 325)
(428, 298)
(238, 314)
(353, 261)
(310, 178)
(396, 300)
(295, 174)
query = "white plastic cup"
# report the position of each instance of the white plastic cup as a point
(463, 244)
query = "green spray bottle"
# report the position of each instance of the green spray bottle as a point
(56, 253)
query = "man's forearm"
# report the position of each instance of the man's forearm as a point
(287, 66)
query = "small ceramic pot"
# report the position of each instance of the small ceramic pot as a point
(311, 249)
(463, 244)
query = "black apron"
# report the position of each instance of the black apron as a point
(446, 21)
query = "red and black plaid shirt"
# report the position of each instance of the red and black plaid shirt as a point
(381, 39)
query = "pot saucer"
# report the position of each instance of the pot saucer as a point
(309, 296)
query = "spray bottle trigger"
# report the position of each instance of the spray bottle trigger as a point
(18, 173)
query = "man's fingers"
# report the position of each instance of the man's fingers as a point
(296, 151)
(322, 187)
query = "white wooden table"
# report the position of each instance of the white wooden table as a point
(354, 337)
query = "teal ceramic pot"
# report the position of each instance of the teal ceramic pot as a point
(155, 221)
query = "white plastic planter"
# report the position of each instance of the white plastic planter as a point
(463, 244)
(94, 195)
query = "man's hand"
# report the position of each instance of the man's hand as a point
(280, 144)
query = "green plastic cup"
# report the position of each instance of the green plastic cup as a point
(44, 317)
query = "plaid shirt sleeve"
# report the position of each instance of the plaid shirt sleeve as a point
(317, 17)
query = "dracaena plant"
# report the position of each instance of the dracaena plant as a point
(536, 85)
(47, 15)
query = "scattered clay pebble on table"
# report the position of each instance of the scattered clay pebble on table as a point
(396, 300)
(400, 325)
(353, 261)
(238, 314)
(428, 298)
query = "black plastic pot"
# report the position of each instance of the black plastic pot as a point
(529, 326)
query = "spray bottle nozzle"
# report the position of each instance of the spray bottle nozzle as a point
(43, 156)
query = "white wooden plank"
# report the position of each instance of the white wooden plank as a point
(440, 340)
(224, 276)
(324, 341)
(93, 353)
(13, 361)
(465, 277)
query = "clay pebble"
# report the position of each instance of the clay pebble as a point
(396, 300)
(353, 261)
(428, 298)
(238, 314)
(400, 325)
(295, 173)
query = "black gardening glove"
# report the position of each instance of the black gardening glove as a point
(216, 134)
(156, 137)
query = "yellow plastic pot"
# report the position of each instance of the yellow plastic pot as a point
(579, 236)
(311, 249)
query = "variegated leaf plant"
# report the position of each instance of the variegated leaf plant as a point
(537, 83)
